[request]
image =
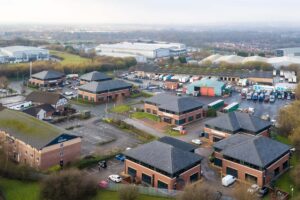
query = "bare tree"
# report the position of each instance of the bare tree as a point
(241, 193)
(199, 192)
(3, 82)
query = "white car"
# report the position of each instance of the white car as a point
(68, 93)
(197, 141)
(228, 180)
(115, 178)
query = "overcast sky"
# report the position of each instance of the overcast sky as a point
(149, 11)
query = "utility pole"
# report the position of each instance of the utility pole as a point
(30, 69)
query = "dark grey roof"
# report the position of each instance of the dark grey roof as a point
(164, 157)
(178, 143)
(33, 111)
(45, 75)
(257, 150)
(105, 86)
(175, 103)
(95, 76)
(238, 121)
(44, 97)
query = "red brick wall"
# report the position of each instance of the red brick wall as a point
(102, 97)
(172, 116)
(38, 82)
(157, 176)
(171, 85)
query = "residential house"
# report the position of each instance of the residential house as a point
(41, 112)
(56, 100)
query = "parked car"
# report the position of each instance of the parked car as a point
(120, 157)
(196, 141)
(115, 178)
(263, 192)
(272, 99)
(228, 180)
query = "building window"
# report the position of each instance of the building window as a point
(162, 185)
(285, 165)
(276, 171)
(148, 110)
(154, 112)
(86, 98)
(198, 116)
(194, 177)
(191, 118)
(181, 121)
(218, 162)
(146, 179)
(232, 172)
(250, 178)
(131, 172)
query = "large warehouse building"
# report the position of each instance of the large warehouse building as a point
(16, 54)
(147, 49)
(206, 87)
(291, 52)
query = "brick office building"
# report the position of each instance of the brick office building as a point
(174, 109)
(104, 91)
(47, 78)
(29, 141)
(161, 165)
(171, 84)
(93, 76)
(255, 159)
(235, 122)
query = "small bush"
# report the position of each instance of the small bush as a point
(128, 193)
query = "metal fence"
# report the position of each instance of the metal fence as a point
(146, 190)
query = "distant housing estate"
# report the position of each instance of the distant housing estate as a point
(17, 54)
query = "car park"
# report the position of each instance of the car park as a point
(115, 178)
(228, 180)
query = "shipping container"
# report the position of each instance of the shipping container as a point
(216, 104)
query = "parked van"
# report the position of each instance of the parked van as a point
(228, 180)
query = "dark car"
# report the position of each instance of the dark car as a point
(103, 164)
(263, 192)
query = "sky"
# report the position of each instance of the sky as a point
(148, 11)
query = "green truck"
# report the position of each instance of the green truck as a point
(231, 107)
(216, 105)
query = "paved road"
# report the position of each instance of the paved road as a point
(139, 125)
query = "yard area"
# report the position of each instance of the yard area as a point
(120, 109)
(70, 59)
(144, 115)
(18, 190)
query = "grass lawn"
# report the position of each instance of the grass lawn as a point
(70, 59)
(144, 115)
(111, 195)
(141, 94)
(120, 109)
(173, 132)
(18, 190)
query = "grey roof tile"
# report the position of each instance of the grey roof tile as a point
(95, 76)
(105, 86)
(47, 75)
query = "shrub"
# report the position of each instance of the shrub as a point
(199, 192)
(128, 193)
(68, 185)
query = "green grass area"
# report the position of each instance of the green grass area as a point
(172, 132)
(111, 195)
(70, 59)
(144, 115)
(120, 109)
(141, 94)
(21, 123)
(18, 190)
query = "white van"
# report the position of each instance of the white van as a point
(228, 180)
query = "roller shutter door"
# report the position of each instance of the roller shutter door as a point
(204, 91)
(210, 92)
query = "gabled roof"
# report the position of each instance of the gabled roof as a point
(48, 75)
(105, 86)
(257, 150)
(33, 111)
(28, 129)
(175, 103)
(95, 76)
(178, 143)
(164, 157)
(44, 97)
(238, 121)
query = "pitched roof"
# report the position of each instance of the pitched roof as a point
(178, 143)
(175, 103)
(44, 97)
(105, 86)
(238, 121)
(164, 157)
(46, 75)
(28, 129)
(33, 111)
(95, 76)
(257, 150)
